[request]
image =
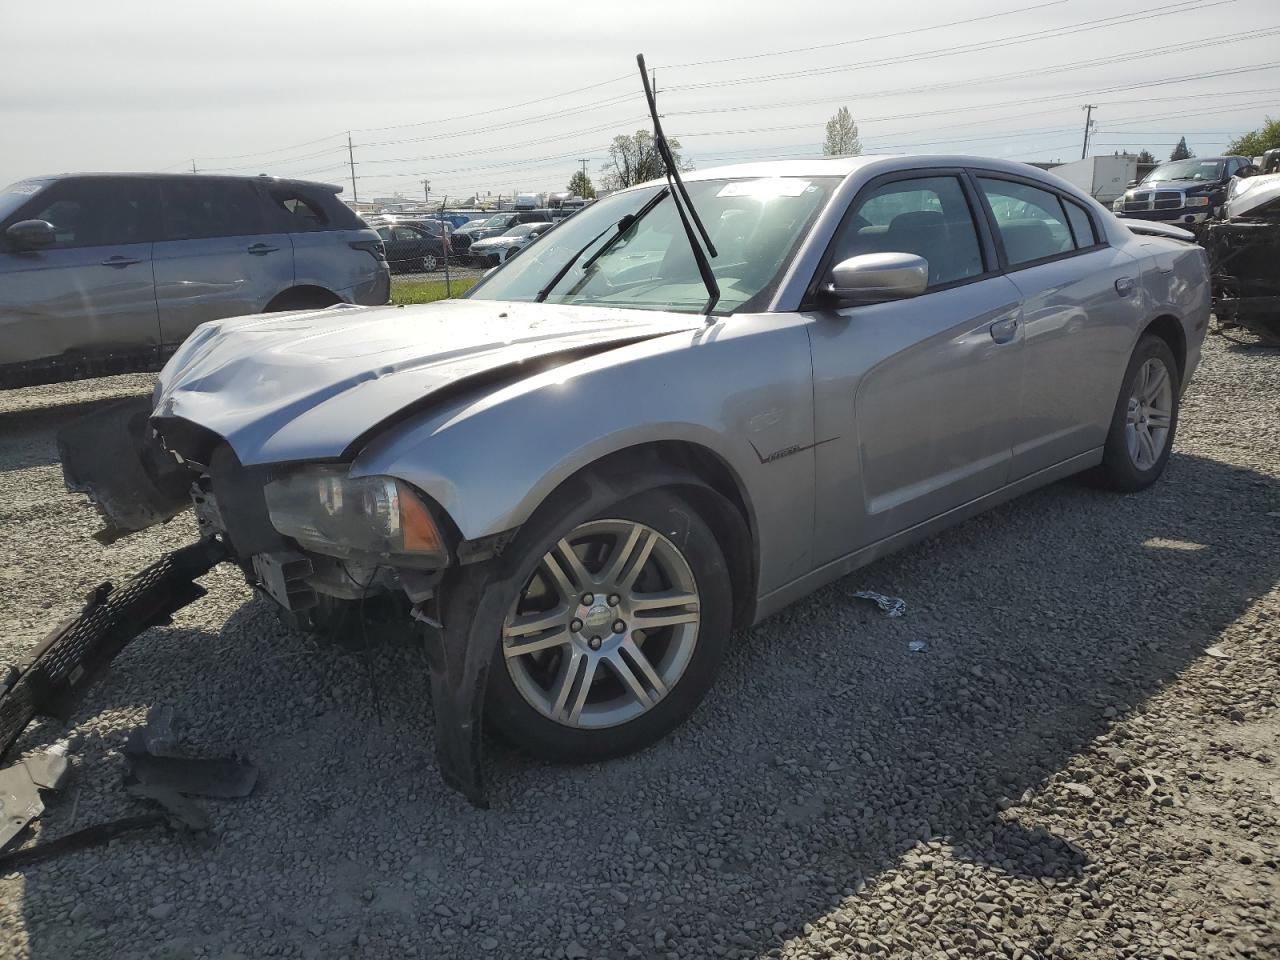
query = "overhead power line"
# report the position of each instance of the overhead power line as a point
(869, 39)
(1181, 6)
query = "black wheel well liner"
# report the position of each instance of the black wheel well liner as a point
(1168, 329)
(302, 296)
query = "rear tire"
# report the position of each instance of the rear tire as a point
(640, 683)
(1145, 419)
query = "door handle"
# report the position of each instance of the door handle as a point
(120, 261)
(1002, 331)
(1124, 286)
(262, 249)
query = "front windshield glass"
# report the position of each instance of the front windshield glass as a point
(756, 225)
(16, 194)
(1192, 169)
(523, 230)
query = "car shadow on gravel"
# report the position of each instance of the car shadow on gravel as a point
(832, 748)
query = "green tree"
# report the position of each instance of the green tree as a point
(1146, 156)
(1257, 142)
(635, 159)
(1181, 151)
(842, 136)
(580, 185)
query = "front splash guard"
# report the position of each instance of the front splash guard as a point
(63, 665)
(112, 456)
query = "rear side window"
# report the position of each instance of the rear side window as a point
(1032, 224)
(301, 213)
(97, 213)
(1081, 226)
(925, 216)
(197, 209)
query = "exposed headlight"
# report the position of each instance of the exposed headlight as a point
(1117, 205)
(371, 519)
(1197, 201)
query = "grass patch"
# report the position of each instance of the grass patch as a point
(427, 291)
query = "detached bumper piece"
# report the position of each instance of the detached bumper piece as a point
(63, 665)
(1243, 255)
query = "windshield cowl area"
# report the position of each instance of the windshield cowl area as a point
(756, 224)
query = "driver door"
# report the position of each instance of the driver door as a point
(916, 400)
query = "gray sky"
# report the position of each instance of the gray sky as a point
(273, 87)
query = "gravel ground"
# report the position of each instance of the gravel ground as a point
(1080, 762)
(457, 272)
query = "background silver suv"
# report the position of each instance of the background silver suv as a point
(108, 273)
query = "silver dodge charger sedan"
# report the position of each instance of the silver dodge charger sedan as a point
(582, 477)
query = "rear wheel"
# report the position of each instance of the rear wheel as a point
(614, 631)
(429, 263)
(1145, 419)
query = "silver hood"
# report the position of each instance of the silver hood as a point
(307, 385)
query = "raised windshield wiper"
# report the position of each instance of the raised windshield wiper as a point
(680, 197)
(620, 228)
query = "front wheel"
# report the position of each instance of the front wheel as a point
(1145, 419)
(615, 632)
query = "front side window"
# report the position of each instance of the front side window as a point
(1031, 221)
(925, 216)
(756, 225)
(96, 213)
(197, 209)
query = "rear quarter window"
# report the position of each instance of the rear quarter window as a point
(301, 213)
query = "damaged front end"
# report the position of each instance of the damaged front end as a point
(317, 541)
(1244, 251)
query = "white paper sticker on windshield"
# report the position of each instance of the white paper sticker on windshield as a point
(764, 189)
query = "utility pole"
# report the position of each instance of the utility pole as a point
(584, 166)
(653, 74)
(1088, 128)
(351, 156)
(193, 165)
(426, 190)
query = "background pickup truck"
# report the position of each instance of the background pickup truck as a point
(1185, 192)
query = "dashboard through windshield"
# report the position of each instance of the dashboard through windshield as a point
(756, 226)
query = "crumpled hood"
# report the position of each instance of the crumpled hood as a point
(305, 385)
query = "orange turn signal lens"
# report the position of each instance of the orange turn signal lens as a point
(418, 531)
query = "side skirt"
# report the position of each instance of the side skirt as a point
(770, 603)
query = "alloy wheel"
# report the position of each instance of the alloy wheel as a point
(1150, 413)
(605, 626)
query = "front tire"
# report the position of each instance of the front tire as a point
(614, 629)
(1145, 419)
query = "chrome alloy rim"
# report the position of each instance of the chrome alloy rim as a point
(1149, 414)
(605, 626)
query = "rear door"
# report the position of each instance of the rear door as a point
(92, 294)
(222, 254)
(1081, 305)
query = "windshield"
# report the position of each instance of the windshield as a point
(756, 226)
(523, 230)
(1192, 169)
(501, 220)
(16, 194)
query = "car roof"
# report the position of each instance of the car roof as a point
(260, 178)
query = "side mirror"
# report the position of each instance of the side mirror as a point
(31, 235)
(876, 277)
(1132, 183)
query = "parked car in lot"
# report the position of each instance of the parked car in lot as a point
(413, 248)
(500, 223)
(595, 467)
(1183, 192)
(503, 247)
(109, 273)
